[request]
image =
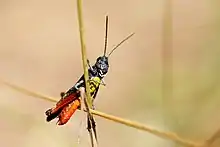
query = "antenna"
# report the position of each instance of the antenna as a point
(120, 43)
(106, 34)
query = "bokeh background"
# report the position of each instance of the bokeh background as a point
(166, 76)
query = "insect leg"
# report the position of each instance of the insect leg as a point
(48, 112)
(89, 116)
(91, 124)
(103, 82)
(89, 64)
(89, 128)
(78, 85)
(94, 128)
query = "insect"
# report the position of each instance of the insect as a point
(70, 100)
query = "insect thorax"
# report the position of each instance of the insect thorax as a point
(94, 83)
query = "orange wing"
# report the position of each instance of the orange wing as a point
(62, 104)
(68, 111)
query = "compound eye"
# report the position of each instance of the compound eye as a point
(98, 59)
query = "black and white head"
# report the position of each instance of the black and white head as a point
(102, 63)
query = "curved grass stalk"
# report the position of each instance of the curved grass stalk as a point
(83, 50)
(88, 100)
(162, 134)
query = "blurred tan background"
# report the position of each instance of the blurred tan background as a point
(166, 76)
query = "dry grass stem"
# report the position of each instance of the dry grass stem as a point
(83, 50)
(212, 139)
(136, 125)
(88, 100)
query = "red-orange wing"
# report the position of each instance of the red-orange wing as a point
(61, 104)
(68, 111)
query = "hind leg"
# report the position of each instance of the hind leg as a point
(48, 112)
